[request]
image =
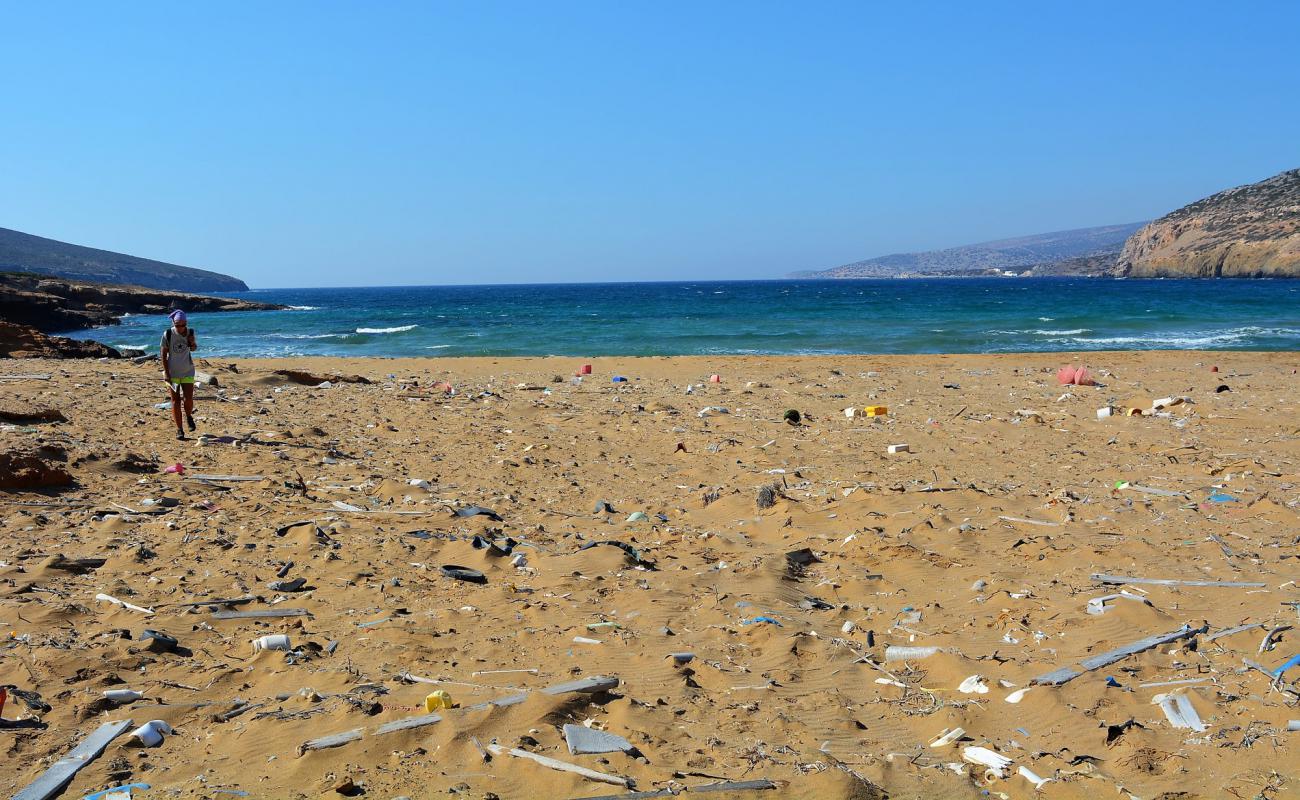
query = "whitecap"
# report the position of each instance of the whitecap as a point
(304, 308)
(437, 347)
(398, 329)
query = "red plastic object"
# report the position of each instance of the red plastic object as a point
(1214, 369)
(175, 469)
(585, 369)
(715, 379)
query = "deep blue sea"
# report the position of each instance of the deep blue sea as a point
(974, 315)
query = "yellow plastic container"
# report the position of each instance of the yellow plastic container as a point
(876, 411)
(438, 699)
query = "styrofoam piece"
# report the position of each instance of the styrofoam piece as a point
(948, 736)
(899, 448)
(995, 762)
(1105, 412)
(1097, 605)
(901, 653)
(974, 685)
(1017, 695)
(1179, 711)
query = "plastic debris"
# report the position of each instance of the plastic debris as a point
(1179, 711)
(1097, 605)
(947, 737)
(586, 741)
(997, 764)
(151, 733)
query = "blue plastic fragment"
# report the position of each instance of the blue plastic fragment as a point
(1219, 497)
(618, 379)
(1288, 664)
(1110, 681)
(127, 788)
(768, 620)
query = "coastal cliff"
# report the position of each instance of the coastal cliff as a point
(1251, 231)
(24, 252)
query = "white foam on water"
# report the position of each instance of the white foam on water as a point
(304, 308)
(398, 329)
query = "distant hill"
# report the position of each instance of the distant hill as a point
(1080, 251)
(23, 252)
(1251, 231)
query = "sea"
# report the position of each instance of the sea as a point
(967, 315)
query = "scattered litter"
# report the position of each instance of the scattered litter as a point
(947, 737)
(589, 774)
(901, 653)
(997, 765)
(110, 599)
(60, 774)
(462, 573)
(1066, 674)
(1120, 579)
(1179, 711)
(1097, 605)
(586, 741)
(151, 733)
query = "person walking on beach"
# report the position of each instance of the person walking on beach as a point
(178, 368)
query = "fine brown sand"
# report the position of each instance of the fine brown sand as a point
(900, 541)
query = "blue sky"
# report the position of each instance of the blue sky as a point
(343, 144)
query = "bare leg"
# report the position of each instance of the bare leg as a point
(176, 410)
(188, 388)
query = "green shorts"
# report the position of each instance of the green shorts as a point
(190, 379)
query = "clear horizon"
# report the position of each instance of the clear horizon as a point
(308, 144)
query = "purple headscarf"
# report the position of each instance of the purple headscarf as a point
(177, 315)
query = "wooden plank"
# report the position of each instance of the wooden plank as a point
(268, 613)
(734, 786)
(633, 795)
(24, 377)
(562, 766)
(1066, 674)
(1230, 631)
(333, 740)
(1121, 579)
(232, 601)
(408, 724)
(58, 776)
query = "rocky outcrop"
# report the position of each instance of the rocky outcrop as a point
(56, 304)
(24, 341)
(1251, 231)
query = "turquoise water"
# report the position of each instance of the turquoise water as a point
(753, 317)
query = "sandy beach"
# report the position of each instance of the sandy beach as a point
(784, 565)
